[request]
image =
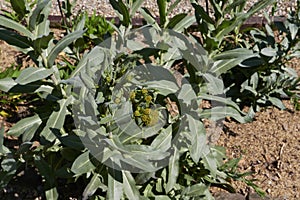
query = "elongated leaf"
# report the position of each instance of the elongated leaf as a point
(197, 190)
(115, 189)
(162, 8)
(6, 84)
(8, 23)
(15, 39)
(136, 6)
(45, 170)
(197, 131)
(61, 45)
(185, 23)
(202, 14)
(123, 10)
(52, 194)
(129, 186)
(36, 17)
(3, 149)
(19, 7)
(42, 42)
(175, 20)
(82, 164)
(25, 126)
(93, 185)
(214, 84)
(173, 170)
(56, 119)
(239, 53)
(32, 74)
(149, 18)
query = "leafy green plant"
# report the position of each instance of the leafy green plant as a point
(96, 30)
(226, 22)
(265, 79)
(86, 125)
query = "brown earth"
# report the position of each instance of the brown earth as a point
(269, 146)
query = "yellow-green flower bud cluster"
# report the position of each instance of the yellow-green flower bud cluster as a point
(142, 101)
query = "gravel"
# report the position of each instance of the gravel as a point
(103, 7)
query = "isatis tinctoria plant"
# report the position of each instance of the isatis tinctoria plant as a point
(125, 122)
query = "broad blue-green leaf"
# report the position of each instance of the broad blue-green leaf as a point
(61, 45)
(214, 84)
(221, 100)
(196, 190)
(32, 74)
(56, 119)
(3, 149)
(15, 39)
(36, 17)
(277, 102)
(82, 164)
(210, 163)
(268, 51)
(198, 138)
(51, 194)
(149, 18)
(184, 23)
(115, 189)
(294, 30)
(173, 170)
(187, 94)
(7, 83)
(93, 185)
(129, 186)
(25, 126)
(135, 6)
(11, 24)
(220, 112)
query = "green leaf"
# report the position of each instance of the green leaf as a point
(198, 138)
(25, 126)
(149, 18)
(268, 51)
(123, 10)
(51, 194)
(277, 102)
(214, 84)
(173, 170)
(56, 119)
(162, 8)
(45, 170)
(19, 7)
(36, 17)
(6, 84)
(135, 7)
(82, 164)
(32, 74)
(93, 185)
(185, 23)
(200, 14)
(42, 42)
(115, 189)
(197, 190)
(15, 39)
(61, 45)
(129, 186)
(3, 149)
(175, 20)
(11, 24)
